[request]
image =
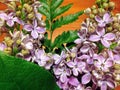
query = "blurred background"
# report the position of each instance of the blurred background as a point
(77, 6)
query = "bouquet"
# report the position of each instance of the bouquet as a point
(84, 59)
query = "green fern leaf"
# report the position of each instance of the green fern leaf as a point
(61, 10)
(66, 20)
(44, 11)
(55, 4)
(65, 37)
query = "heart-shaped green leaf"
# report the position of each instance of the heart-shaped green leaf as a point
(18, 74)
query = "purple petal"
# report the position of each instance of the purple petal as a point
(58, 71)
(35, 23)
(104, 86)
(78, 41)
(10, 23)
(63, 78)
(40, 30)
(71, 64)
(18, 20)
(73, 81)
(29, 45)
(102, 24)
(2, 46)
(109, 36)
(86, 78)
(109, 63)
(28, 27)
(4, 16)
(98, 19)
(110, 84)
(75, 71)
(34, 34)
(107, 18)
(105, 43)
(100, 31)
(85, 49)
(94, 38)
(117, 59)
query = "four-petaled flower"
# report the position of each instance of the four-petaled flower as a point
(34, 29)
(106, 20)
(104, 38)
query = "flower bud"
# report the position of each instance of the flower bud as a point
(7, 39)
(13, 4)
(109, 29)
(115, 19)
(92, 16)
(31, 16)
(10, 6)
(9, 43)
(18, 13)
(105, 5)
(116, 25)
(117, 66)
(105, 1)
(87, 11)
(19, 7)
(25, 52)
(18, 41)
(8, 50)
(2, 21)
(111, 5)
(95, 11)
(101, 10)
(117, 77)
(98, 1)
(93, 7)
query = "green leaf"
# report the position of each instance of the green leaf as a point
(18, 74)
(65, 37)
(55, 4)
(100, 47)
(61, 10)
(44, 11)
(66, 20)
(113, 45)
(47, 24)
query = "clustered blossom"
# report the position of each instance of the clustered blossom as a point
(92, 64)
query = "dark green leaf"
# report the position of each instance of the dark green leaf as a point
(100, 47)
(66, 20)
(55, 4)
(61, 10)
(66, 37)
(18, 74)
(47, 24)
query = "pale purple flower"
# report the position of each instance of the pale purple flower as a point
(34, 29)
(103, 63)
(104, 38)
(82, 36)
(42, 59)
(103, 21)
(77, 67)
(58, 58)
(2, 46)
(10, 19)
(62, 73)
(86, 78)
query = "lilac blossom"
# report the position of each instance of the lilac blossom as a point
(2, 46)
(104, 38)
(86, 78)
(42, 59)
(62, 73)
(34, 29)
(103, 21)
(77, 67)
(103, 63)
(10, 19)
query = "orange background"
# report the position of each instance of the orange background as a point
(77, 6)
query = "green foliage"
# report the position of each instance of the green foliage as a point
(52, 9)
(17, 74)
(65, 20)
(113, 45)
(64, 38)
(100, 47)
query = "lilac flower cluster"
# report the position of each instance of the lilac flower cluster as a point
(93, 64)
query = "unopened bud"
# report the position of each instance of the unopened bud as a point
(13, 4)
(87, 11)
(18, 41)
(115, 19)
(109, 29)
(105, 5)
(117, 66)
(95, 11)
(9, 43)
(2, 21)
(94, 7)
(116, 25)
(18, 13)
(31, 15)
(19, 7)
(25, 52)
(117, 77)
(8, 50)
(92, 16)
(7, 39)
(101, 10)
(111, 4)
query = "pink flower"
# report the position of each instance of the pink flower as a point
(104, 38)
